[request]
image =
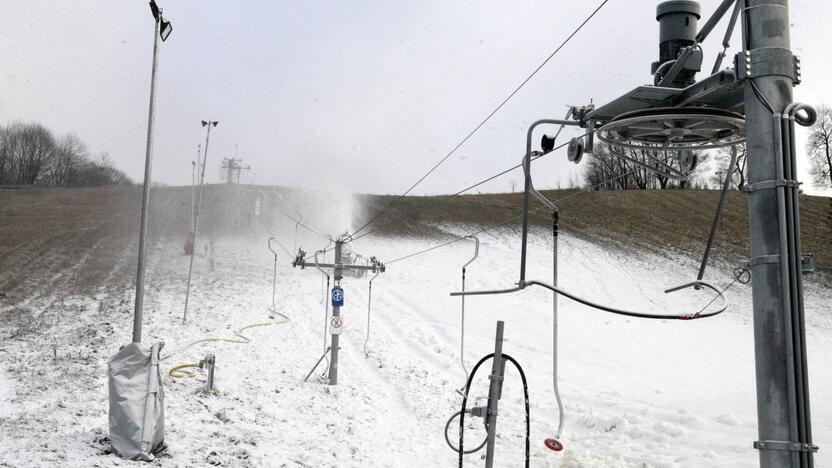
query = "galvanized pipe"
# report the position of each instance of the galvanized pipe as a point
(336, 312)
(718, 216)
(369, 308)
(462, 315)
(495, 390)
(776, 287)
(148, 159)
(527, 184)
(196, 220)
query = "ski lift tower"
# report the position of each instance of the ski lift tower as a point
(750, 101)
(336, 321)
(233, 166)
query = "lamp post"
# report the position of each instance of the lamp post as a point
(208, 124)
(161, 31)
(193, 184)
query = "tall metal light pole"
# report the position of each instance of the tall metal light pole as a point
(209, 124)
(784, 427)
(193, 184)
(161, 31)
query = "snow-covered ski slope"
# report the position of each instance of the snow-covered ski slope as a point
(637, 392)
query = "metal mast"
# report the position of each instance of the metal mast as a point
(779, 337)
(161, 30)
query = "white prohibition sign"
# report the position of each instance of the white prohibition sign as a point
(335, 325)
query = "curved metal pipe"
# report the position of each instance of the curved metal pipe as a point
(528, 183)
(462, 314)
(326, 298)
(617, 311)
(369, 302)
(488, 291)
(274, 276)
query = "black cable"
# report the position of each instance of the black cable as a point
(627, 313)
(461, 450)
(487, 118)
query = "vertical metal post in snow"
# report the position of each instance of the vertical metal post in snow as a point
(336, 312)
(148, 158)
(208, 124)
(495, 390)
(193, 184)
(782, 400)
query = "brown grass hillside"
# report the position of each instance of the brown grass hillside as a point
(76, 240)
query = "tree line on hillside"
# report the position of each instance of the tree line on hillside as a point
(31, 155)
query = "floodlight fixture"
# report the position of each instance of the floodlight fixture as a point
(209, 122)
(154, 9)
(165, 29)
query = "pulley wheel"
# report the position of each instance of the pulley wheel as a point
(675, 128)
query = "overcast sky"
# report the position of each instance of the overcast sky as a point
(365, 94)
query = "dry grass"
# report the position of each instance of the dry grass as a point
(80, 239)
(669, 221)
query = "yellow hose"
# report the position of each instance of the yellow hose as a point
(178, 372)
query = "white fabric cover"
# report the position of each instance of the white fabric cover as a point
(137, 416)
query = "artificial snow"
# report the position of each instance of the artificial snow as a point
(650, 393)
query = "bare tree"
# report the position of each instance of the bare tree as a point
(30, 155)
(37, 146)
(722, 160)
(69, 153)
(819, 148)
(27, 149)
(607, 168)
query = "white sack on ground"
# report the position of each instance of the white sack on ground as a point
(137, 416)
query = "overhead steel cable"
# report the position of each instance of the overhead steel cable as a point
(470, 187)
(509, 220)
(487, 118)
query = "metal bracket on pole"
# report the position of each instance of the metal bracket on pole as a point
(495, 391)
(771, 184)
(785, 446)
(317, 363)
(762, 259)
(807, 262)
(767, 61)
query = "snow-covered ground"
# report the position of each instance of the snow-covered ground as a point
(637, 392)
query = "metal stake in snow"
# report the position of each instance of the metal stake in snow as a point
(161, 31)
(336, 321)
